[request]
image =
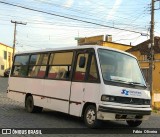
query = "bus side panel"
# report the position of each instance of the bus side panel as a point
(76, 98)
(16, 89)
(36, 88)
(58, 92)
(17, 84)
(92, 93)
(16, 96)
(82, 93)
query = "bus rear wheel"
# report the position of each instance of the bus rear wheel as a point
(29, 105)
(90, 117)
(134, 123)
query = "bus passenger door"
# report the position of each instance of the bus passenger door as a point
(78, 83)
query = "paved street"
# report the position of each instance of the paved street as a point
(13, 115)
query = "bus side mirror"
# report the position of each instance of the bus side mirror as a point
(82, 62)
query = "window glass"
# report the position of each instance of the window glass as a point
(146, 73)
(60, 65)
(59, 72)
(120, 68)
(2, 67)
(37, 71)
(5, 54)
(21, 60)
(20, 71)
(61, 58)
(80, 72)
(39, 59)
(93, 76)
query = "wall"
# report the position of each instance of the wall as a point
(116, 45)
(156, 72)
(8, 61)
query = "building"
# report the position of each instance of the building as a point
(5, 57)
(102, 41)
(142, 52)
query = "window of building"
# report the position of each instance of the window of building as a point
(81, 72)
(146, 74)
(38, 65)
(60, 65)
(144, 57)
(5, 54)
(2, 67)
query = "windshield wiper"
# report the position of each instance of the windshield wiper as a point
(118, 80)
(130, 83)
(137, 83)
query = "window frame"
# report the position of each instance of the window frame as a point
(5, 54)
(29, 65)
(12, 68)
(91, 52)
(48, 65)
(73, 64)
(90, 60)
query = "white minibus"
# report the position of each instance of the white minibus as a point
(93, 82)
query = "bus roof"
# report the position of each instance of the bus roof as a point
(73, 48)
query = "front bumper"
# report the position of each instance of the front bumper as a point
(125, 113)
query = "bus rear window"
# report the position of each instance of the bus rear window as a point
(20, 65)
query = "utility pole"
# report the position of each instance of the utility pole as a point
(151, 63)
(14, 40)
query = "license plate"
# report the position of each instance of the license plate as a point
(131, 116)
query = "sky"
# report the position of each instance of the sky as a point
(49, 28)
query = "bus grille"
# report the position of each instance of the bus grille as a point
(128, 100)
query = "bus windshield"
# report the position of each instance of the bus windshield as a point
(119, 67)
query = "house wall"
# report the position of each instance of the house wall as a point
(144, 64)
(116, 45)
(5, 62)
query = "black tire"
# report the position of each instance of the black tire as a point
(90, 117)
(5, 75)
(29, 105)
(134, 123)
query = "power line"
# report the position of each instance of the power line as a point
(69, 25)
(62, 16)
(117, 22)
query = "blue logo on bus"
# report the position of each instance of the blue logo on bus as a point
(125, 92)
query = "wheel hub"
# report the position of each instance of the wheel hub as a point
(90, 116)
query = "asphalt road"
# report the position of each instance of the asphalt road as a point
(13, 115)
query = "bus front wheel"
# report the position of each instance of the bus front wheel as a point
(29, 105)
(90, 117)
(134, 123)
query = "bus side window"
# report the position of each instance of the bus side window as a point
(60, 65)
(80, 72)
(20, 65)
(38, 65)
(93, 75)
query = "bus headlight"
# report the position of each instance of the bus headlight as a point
(107, 98)
(147, 102)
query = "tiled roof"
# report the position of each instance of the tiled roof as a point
(143, 47)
